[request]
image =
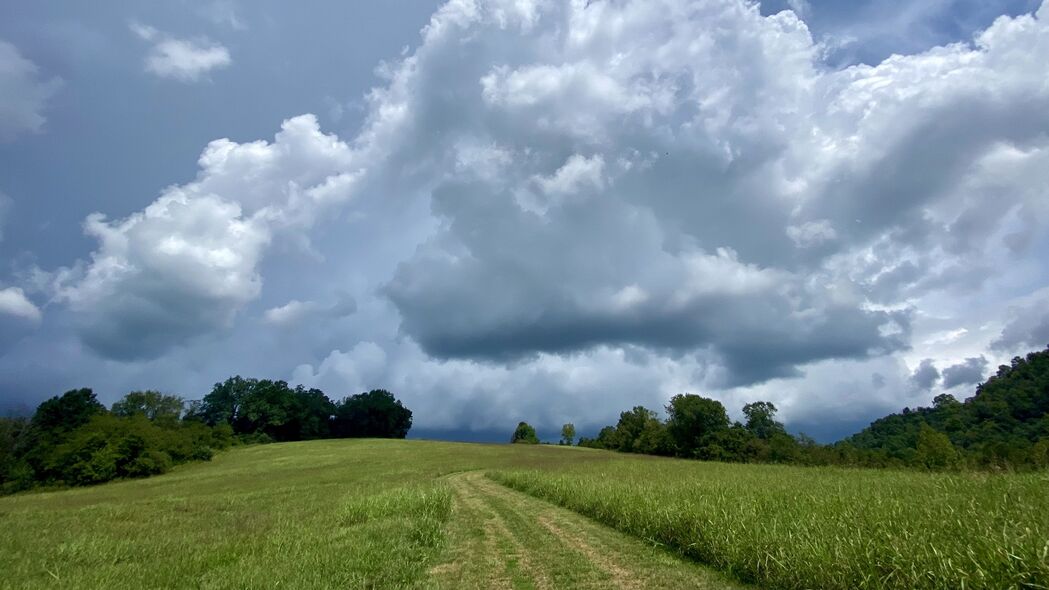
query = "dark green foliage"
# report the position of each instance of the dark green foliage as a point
(66, 412)
(696, 425)
(313, 413)
(261, 407)
(105, 447)
(15, 473)
(638, 431)
(73, 440)
(111, 446)
(375, 414)
(568, 434)
(1001, 426)
(761, 420)
(1005, 425)
(524, 434)
(151, 404)
(935, 450)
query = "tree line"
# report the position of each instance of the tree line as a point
(1004, 425)
(72, 439)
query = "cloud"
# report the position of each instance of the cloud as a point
(569, 208)
(969, 372)
(926, 375)
(182, 267)
(25, 94)
(19, 317)
(1027, 325)
(704, 143)
(295, 312)
(13, 302)
(811, 233)
(185, 60)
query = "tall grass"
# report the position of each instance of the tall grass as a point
(395, 533)
(793, 527)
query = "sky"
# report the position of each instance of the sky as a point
(507, 210)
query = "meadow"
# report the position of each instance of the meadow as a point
(804, 527)
(420, 514)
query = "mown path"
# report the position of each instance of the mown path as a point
(500, 538)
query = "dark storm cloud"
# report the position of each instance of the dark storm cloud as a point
(971, 371)
(1027, 326)
(926, 375)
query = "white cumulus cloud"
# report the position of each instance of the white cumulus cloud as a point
(184, 265)
(13, 302)
(185, 60)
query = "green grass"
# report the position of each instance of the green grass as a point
(793, 527)
(321, 514)
(399, 514)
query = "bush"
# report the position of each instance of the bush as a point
(109, 447)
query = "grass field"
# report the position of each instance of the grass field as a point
(391, 514)
(796, 527)
(327, 514)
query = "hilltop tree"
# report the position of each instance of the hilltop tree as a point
(525, 434)
(568, 434)
(375, 414)
(312, 415)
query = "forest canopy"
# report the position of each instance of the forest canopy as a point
(72, 439)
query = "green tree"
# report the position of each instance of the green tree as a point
(223, 404)
(761, 420)
(693, 423)
(568, 434)
(312, 414)
(654, 439)
(15, 474)
(630, 428)
(935, 450)
(525, 434)
(375, 414)
(152, 404)
(66, 412)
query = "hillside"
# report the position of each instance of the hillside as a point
(1006, 422)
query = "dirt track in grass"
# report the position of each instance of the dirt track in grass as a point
(499, 538)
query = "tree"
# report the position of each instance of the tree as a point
(693, 423)
(568, 434)
(312, 414)
(265, 407)
(654, 439)
(761, 420)
(632, 424)
(935, 450)
(525, 434)
(15, 474)
(152, 404)
(375, 414)
(223, 403)
(67, 412)
(997, 427)
(268, 407)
